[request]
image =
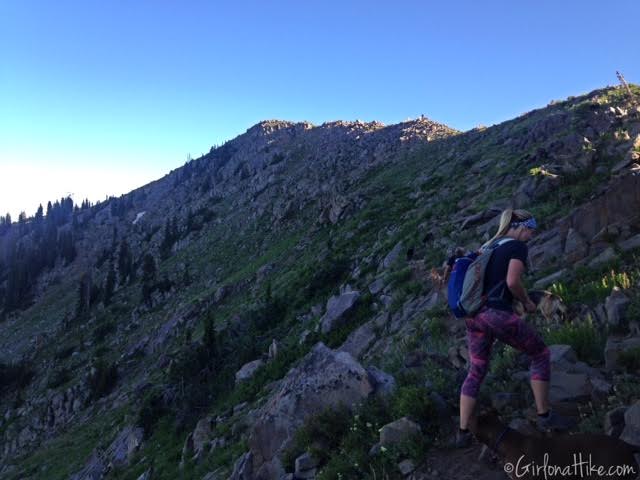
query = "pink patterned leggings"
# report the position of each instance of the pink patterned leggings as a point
(491, 324)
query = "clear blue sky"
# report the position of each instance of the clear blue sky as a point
(98, 97)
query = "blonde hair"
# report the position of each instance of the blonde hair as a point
(506, 219)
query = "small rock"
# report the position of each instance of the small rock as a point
(398, 431)
(550, 279)
(375, 450)
(305, 462)
(501, 400)
(562, 354)
(631, 432)
(614, 421)
(392, 256)
(240, 408)
(385, 383)
(600, 389)
(377, 286)
(406, 467)
(616, 305)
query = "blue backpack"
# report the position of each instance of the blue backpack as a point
(456, 281)
(466, 297)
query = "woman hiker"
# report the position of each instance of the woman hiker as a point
(496, 320)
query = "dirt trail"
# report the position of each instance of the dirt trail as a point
(458, 464)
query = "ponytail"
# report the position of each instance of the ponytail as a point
(508, 216)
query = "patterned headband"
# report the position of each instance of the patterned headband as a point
(529, 223)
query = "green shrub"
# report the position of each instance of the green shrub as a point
(326, 429)
(400, 276)
(437, 328)
(414, 402)
(585, 338)
(592, 287)
(152, 410)
(503, 361)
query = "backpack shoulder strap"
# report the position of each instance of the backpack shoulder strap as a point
(496, 243)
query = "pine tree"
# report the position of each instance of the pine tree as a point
(109, 284)
(148, 277)
(83, 304)
(125, 261)
(209, 340)
(186, 276)
(39, 215)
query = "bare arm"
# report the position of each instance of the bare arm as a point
(514, 282)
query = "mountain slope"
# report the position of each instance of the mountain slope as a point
(257, 236)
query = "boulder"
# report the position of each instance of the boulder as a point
(547, 249)
(305, 462)
(248, 370)
(630, 244)
(305, 466)
(562, 355)
(576, 248)
(146, 475)
(398, 431)
(615, 346)
(568, 387)
(243, 468)
(202, 435)
(125, 445)
(221, 293)
(618, 205)
(616, 305)
(376, 286)
(384, 383)
(550, 279)
(603, 257)
(614, 421)
(337, 309)
(600, 390)
(359, 341)
(631, 431)
(406, 467)
(392, 256)
(323, 379)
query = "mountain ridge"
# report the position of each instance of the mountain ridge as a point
(261, 233)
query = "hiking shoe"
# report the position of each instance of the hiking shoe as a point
(555, 421)
(463, 439)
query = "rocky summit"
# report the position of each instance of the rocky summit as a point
(274, 309)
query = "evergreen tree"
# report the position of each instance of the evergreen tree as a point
(66, 246)
(109, 284)
(148, 277)
(39, 215)
(125, 261)
(171, 235)
(186, 276)
(83, 305)
(209, 340)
